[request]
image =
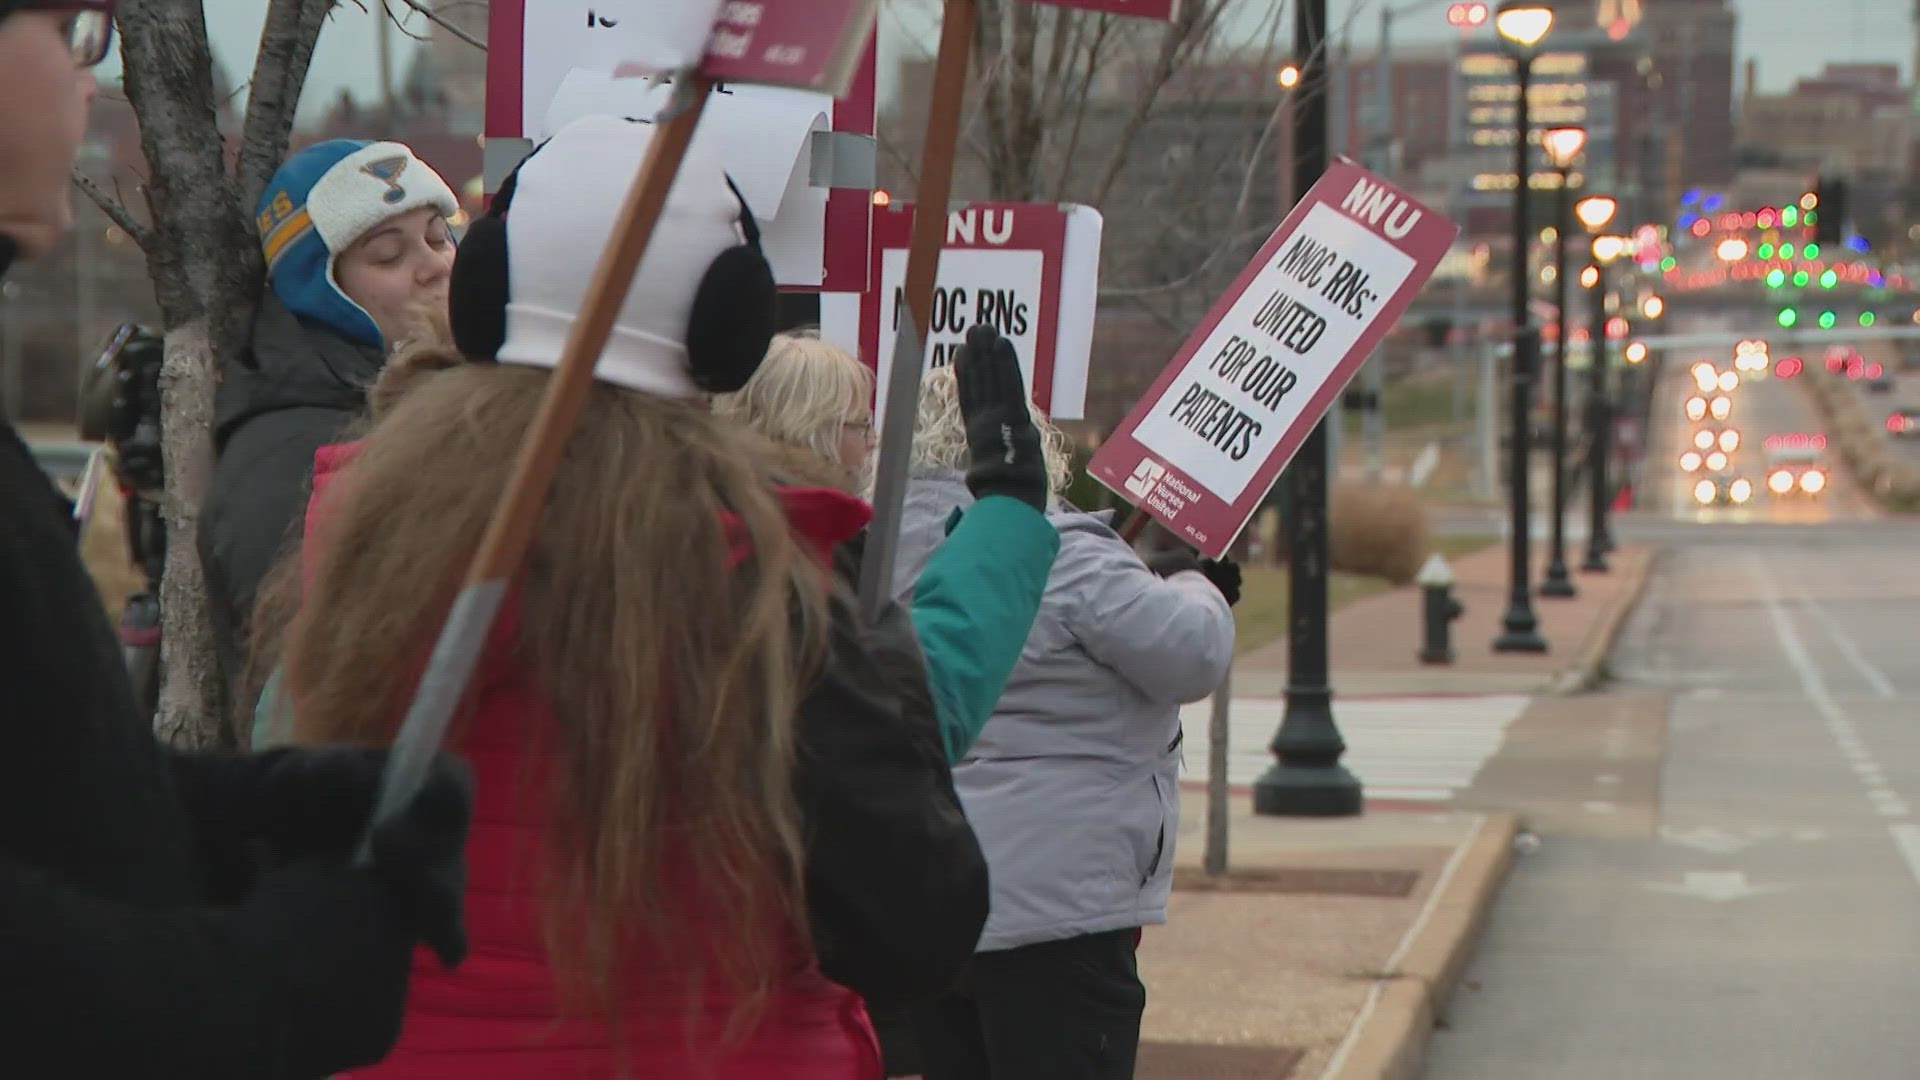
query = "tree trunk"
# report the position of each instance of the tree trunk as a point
(207, 270)
(193, 694)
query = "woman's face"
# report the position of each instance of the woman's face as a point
(856, 439)
(398, 269)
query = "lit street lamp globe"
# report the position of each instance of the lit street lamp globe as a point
(1563, 145)
(1523, 24)
(1596, 211)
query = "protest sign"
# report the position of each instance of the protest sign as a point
(1030, 269)
(551, 61)
(1206, 443)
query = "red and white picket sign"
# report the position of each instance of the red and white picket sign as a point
(1029, 269)
(1204, 446)
(793, 55)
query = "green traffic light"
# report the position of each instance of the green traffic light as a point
(1827, 320)
(1829, 279)
(1866, 318)
(1811, 251)
(1786, 251)
(1668, 263)
(1800, 278)
(1812, 217)
(1766, 251)
(1789, 215)
(1776, 277)
(1788, 316)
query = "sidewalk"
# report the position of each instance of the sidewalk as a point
(1327, 949)
(1375, 642)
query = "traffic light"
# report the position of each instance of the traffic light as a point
(1827, 319)
(1788, 317)
(1830, 223)
(1867, 318)
(1776, 277)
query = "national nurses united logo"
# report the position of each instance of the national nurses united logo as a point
(388, 171)
(1146, 476)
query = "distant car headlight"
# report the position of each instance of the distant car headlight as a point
(1730, 440)
(1729, 381)
(1721, 408)
(1689, 462)
(1696, 408)
(1703, 491)
(1703, 439)
(1716, 461)
(1812, 481)
(1740, 490)
(1780, 482)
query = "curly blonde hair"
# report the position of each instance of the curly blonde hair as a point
(940, 434)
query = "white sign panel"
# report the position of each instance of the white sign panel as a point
(1243, 388)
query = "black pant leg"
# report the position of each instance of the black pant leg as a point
(1062, 1010)
(899, 1046)
(951, 1043)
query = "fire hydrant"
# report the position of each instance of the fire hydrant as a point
(1439, 610)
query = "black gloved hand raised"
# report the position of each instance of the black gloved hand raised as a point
(1005, 445)
(1225, 575)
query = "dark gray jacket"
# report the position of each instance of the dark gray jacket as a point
(306, 388)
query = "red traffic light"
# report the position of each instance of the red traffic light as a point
(1467, 15)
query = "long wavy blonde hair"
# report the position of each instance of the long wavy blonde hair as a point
(673, 677)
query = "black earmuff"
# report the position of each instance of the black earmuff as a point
(735, 311)
(729, 329)
(481, 282)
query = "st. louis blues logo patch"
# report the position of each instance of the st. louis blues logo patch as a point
(387, 171)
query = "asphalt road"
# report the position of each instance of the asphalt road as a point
(1766, 922)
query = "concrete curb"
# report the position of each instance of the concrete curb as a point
(1389, 1040)
(1589, 667)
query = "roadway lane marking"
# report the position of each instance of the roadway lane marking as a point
(1905, 834)
(1875, 678)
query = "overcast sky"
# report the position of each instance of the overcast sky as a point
(1788, 41)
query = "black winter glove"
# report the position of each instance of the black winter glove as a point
(421, 857)
(1169, 563)
(1225, 575)
(313, 805)
(1007, 457)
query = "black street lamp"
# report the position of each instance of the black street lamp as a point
(1307, 778)
(1522, 24)
(1563, 145)
(1595, 212)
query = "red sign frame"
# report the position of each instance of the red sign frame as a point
(1038, 227)
(1205, 520)
(848, 216)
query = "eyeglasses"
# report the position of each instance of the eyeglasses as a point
(89, 26)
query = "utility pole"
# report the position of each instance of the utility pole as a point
(384, 22)
(1307, 778)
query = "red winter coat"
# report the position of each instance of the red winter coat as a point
(497, 1017)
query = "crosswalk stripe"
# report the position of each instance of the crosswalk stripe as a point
(1405, 749)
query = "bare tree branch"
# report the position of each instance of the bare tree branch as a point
(1089, 65)
(279, 72)
(434, 18)
(1182, 35)
(114, 210)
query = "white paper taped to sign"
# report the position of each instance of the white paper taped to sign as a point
(761, 132)
(601, 35)
(1245, 385)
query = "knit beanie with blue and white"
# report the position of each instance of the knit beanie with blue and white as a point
(322, 200)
